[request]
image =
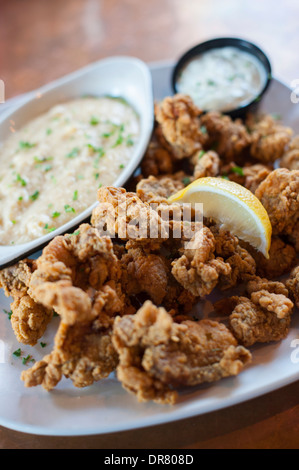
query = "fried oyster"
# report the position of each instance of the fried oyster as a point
(157, 355)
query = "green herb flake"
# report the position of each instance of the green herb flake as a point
(276, 116)
(56, 214)
(20, 198)
(96, 176)
(17, 353)
(225, 177)
(73, 153)
(75, 195)
(186, 180)
(201, 154)
(49, 229)
(8, 313)
(13, 222)
(55, 314)
(100, 185)
(94, 121)
(34, 196)
(27, 359)
(211, 83)
(68, 208)
(43, 345)
(118, 141)
(121, 166)
(203, 130)
(21, 180)
(49, 131)
(238, 170)
(26, 145)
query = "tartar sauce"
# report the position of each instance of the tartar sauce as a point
(222, 79)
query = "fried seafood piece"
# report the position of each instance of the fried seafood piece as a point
(282, 258)
(290, 158)
(205, 164)
(279, 194)
(124, 214)
(265, 316)
(293, 285)
(156, 161)
(70, 271)
(268, 138)
(157, 355)
(197, 270)
(29, 318)
(156, 191)
(230, 138)
(179, 128)
(83, 350)
(150, 273)
(238, 258)
(249, 176)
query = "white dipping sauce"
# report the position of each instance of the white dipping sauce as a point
(222, 79)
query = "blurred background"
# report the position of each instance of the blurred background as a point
(41, 40)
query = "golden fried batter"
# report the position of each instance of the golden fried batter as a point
(179, 125)
(229, 138)
(156, 161)
(293, 285)
(279, 194)
(282, 257)
(157, 355)
(127, 216)
(265, 317)
(205, 164)
(268, 138)
(154, 190)
(290, 159)
(29, 318)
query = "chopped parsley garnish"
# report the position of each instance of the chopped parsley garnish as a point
(8, 313)
(238, 170)
(186, 180)
(74, 233)
(47, 168)
(34, 196)
(94, 121)
(13, 222)
(75, 195)
(73, 153)
(56, 214)
(43, 345)
(121, 166)
(118, 141)
(17, 353)
(27, 359)
(201, 154)
(26, 145)
(211, 83)
(276, 116)
(203, 130)
(129, 142)
(55, 314)
(49, 131)
(49, 229)
(100, 185)
(21, 180)
(225, 177)
(68, 208)
(96, 175)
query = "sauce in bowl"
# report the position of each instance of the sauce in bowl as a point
(51, 168)
(222, 79)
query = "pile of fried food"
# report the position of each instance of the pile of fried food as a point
(126, 303)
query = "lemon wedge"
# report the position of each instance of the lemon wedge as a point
(233, 206)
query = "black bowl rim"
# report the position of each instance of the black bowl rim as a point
(240, 43)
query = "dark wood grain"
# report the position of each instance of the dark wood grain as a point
(41, 40)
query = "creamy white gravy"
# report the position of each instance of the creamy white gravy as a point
(50, 169)
(222, 79)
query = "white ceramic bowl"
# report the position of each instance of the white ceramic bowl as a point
(127, 77)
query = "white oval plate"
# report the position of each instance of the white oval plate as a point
(105, 407)
(126, 77)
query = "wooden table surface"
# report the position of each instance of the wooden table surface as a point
(42, 40)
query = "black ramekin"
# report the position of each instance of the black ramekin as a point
(241, 44)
